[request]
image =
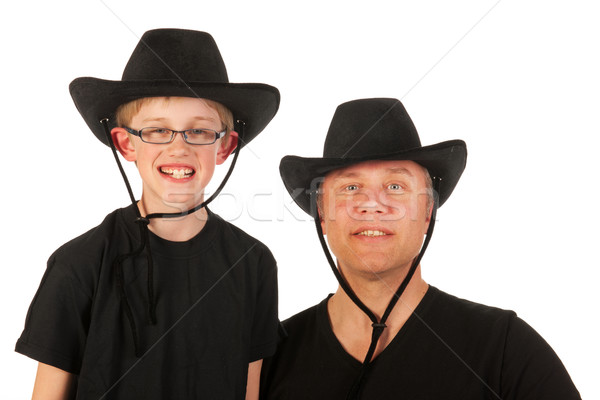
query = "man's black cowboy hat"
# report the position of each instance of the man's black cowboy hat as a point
(372, 129)
(175, 62)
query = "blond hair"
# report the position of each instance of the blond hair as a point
(125, 112)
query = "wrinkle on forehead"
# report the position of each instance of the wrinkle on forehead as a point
(166, 119)
(355, 171)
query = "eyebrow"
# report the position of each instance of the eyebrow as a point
(346, 175)
(400, 170)
(162, 119)
(393, 170)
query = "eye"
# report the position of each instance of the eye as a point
(155, 135)
(394, 186)
(351, 188)
(199, 131)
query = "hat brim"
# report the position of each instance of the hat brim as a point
(446, 160)
(253, 103)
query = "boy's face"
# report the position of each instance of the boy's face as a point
(174, 174)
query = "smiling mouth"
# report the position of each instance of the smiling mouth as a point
(177, 173)
(371, 233)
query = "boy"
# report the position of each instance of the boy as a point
(162, 300)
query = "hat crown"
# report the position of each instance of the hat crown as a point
(370, 128)
(176, 54)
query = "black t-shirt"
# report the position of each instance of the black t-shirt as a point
(216, 304)
(449, 349)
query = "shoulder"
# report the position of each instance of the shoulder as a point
(95, 238)
(82, 256)
(303, 318)
(468, 313)
(303, 328)
(300, 335)
(234, 238)
(494, 343)
(489, 330)
(469, 328)
(307, 352)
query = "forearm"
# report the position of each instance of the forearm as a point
(52, 383)
(253, 380)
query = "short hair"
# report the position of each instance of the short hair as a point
(428, 188)
(125, 112)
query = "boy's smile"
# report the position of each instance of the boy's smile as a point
(174, 174)
(177, 172)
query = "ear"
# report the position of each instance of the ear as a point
(323, 226)
(226, 148)
(123, 143)
(430, 212)
(321, 217)
(428, 219)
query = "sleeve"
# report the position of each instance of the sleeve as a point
(57, 322)
(266, 322)
(531, 369)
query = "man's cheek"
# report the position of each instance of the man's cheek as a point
(395, 206)
(397, 212)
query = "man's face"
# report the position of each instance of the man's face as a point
(375, 215)
(176, 173)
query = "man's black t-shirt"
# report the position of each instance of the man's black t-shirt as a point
(449, 349)
(216, 303)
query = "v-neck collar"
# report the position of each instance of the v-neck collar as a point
(399, 338)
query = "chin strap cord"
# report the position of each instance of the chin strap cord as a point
(143, 223)
(378, 325)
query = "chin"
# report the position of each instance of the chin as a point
(369, 270)
(376, 268)
(183, 201)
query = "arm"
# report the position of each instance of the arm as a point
(253, 380)
(531, 368)
(52, 383)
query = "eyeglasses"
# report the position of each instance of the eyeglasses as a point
(164, 135)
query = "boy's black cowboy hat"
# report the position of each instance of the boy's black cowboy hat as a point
(175, 62)
(372, 129)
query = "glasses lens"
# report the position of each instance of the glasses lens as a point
(155, 135)
(201, 136)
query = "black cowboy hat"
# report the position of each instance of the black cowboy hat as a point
(372, 129)
(175, 62)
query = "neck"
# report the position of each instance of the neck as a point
(351, 325)
(178, 229)
(376, 294)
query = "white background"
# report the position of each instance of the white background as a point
(517, 80)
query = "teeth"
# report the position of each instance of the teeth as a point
(177, 173)
(372, 233)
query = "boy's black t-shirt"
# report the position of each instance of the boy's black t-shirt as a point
(216, 303)
(449, 349)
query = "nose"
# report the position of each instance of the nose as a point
(177, 133)
(369, 202)
(178, 145)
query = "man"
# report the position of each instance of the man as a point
(374, 194)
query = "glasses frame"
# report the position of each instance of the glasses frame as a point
(184, 133)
